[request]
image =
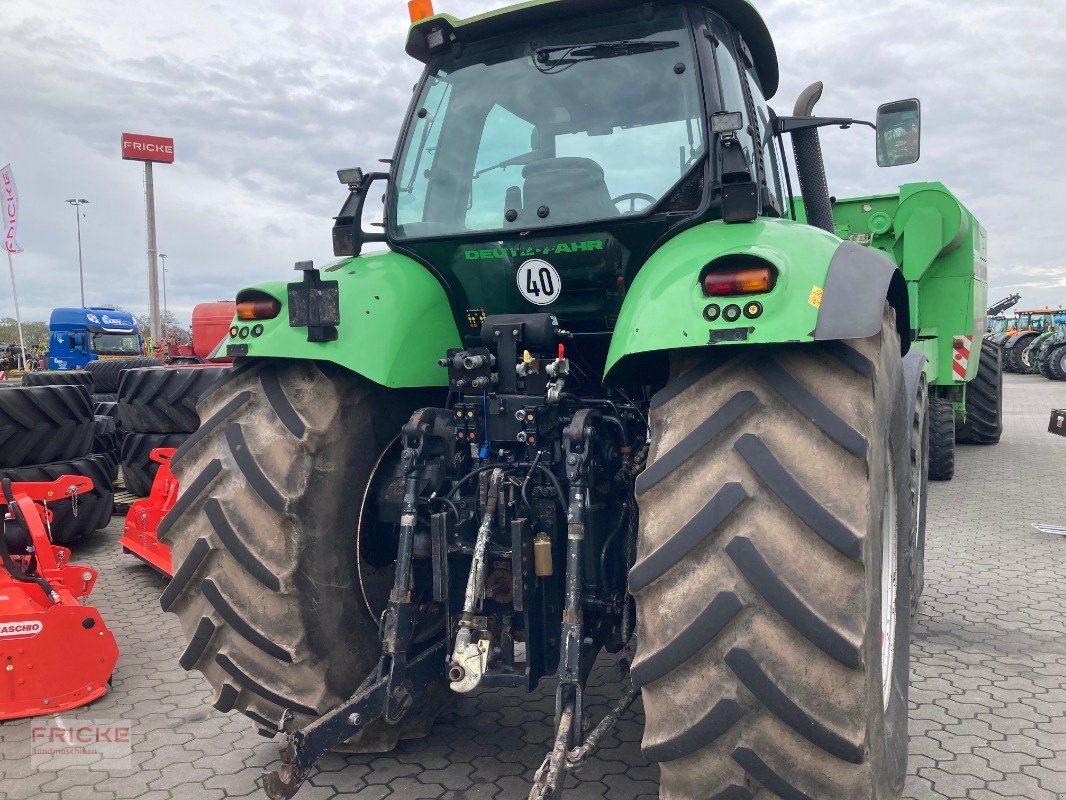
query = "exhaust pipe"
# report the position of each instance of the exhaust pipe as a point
(810, 168)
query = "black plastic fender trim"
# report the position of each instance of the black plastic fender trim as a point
(857, 285)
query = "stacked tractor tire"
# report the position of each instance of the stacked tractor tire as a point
(47, 430)
(157, 408)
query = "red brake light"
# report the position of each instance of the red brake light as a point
(259, 308)
(741, 281)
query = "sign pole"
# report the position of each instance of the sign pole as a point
(153, 273)
(149, 149)
(18, 314)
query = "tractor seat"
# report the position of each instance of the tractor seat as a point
(572, 188)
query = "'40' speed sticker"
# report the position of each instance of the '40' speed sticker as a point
(539, 282)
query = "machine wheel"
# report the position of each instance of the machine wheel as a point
(1025, 358)
(1057, 363)
(163, 399)
(138, 469)
(941, 439)
(1012, 355)
(105, 409)
(41, 424)
(919, 489)
(105, 397)
(1043, 364)
(984, 407)
(264, 540)
(107, 372)
(107, 442)
(777, 489)
(69, 377)
(93, 509)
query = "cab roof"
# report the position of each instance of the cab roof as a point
(79, 318)
(741, 13)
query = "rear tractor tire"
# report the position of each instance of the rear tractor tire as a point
(1012, 355)
(266, 583)
(107, 372)
(135, 456)
(777, 489)
(1043, 364)
(42, 424)
(984, 400)
(70, 377)
(163, 399)
(1057, 363)
(941, 439)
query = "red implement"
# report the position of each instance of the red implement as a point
(56, 653)
(144, 516)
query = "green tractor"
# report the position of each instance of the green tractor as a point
(609, 389)
(999, 325)
(1029, 325)
(1050, 356)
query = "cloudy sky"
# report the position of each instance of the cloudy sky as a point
(266, 100)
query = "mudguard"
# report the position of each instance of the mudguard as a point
(826, 289)
(913, 367)
(1014, 338)
(395, 322)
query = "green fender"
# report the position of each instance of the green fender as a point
(395, 322)
(826, 289)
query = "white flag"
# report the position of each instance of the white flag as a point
(9, 196)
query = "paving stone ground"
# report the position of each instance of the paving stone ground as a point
(988, 686)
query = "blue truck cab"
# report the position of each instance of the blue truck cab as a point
(77, 336)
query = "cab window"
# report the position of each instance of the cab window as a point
(506, 146)
(771, 162)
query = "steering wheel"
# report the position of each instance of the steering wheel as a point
(633, 197)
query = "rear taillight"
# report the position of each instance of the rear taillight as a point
(258, 308)
(727, 283)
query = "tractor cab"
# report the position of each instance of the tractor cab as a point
(567, 143)
(551, 149)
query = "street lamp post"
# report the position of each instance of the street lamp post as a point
(163, 258)
(78, 202)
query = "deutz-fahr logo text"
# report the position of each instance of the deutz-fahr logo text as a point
(499, 253)
(20, 629)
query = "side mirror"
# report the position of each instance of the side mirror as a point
(348, 233)
(899, 133)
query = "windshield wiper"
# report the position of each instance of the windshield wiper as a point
(571, 54)
(522, 160)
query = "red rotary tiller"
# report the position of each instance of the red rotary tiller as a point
(56, 653)
(144, 516)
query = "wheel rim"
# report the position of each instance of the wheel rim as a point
(889, 583)
(376, 580)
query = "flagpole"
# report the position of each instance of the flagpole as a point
(18, 315)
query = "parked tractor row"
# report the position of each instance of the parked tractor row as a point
(1032, 341)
